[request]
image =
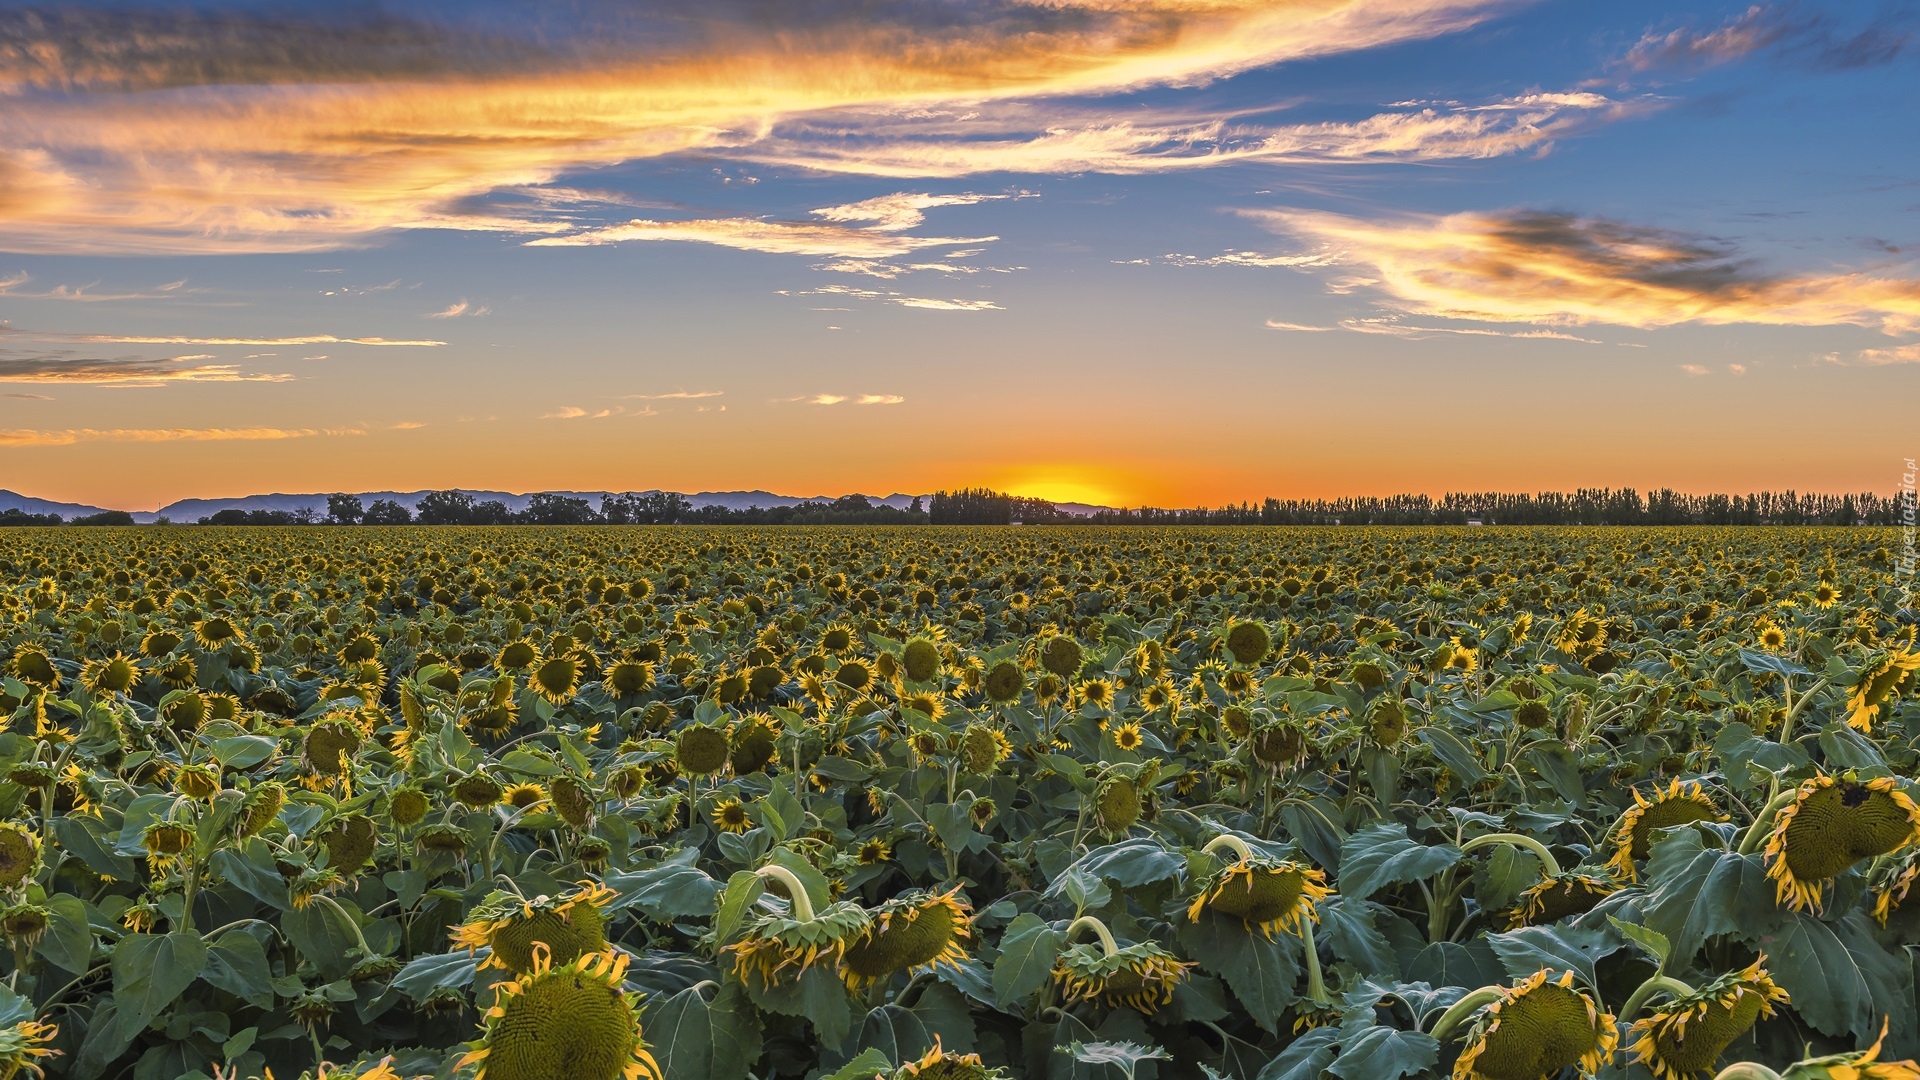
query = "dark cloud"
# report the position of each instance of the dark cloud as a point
(1791, 32)
(63, 366)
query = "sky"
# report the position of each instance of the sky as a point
(1174, 252)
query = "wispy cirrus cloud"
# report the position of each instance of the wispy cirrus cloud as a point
(1898, 354)
(331, 125)
(677, 395)
(24, 437)
(855, 399)
(122, 372)
(1558, 269)
(315, 339)
(924, 303)
(1812, 37)
(867, 230)
(460, 308)
(11, 287)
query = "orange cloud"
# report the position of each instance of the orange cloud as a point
(182, 133)
(1556, 269)
(19, 437)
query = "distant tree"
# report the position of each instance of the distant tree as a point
(344, 510)
(14, 516)
(549, 509)
(851, 504)
(232, 515)
(491, 512)
(972, 506)
(304, 516)
(105, 517)
(916, 508)
(445, 508)
(387, 512)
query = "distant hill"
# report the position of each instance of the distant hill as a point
(187, 511)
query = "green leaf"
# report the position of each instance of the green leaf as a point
(1306, 1057)
(1454, 754)
(743, 888)
(434, 971)
(1653, 941)
(818, 995)
(1133, 863)
(150, 971)
(1315, 824)
(1696, 892)
(1378, 1052)
(1770, 664)
(1347, 927)
(322, 937)
(952, 823)
(104, 1042)
(1555, 764)
(529, 764)
(244, 751)
(251, 870)
(1507, 872)
(1027, 952)
(1382, 855)
(665, 892)
(869, 1064)
(237, 963)
(1830, 979)
(68, 943)
(1261, 973)
(85, 837)
(681, 1034)
(1449, 963)
(896, 1033)
(1846, 748)
(1557, 948)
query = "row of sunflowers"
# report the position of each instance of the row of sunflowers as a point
(682, 803)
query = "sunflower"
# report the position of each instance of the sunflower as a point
(1141, 976)
(1677, 805)
(913, 931)
(1889, 676)
(873, 852)
(216, 633)
(1559, 897)
(1047, 689)
(1769, 635)
(557, 678)
(854, 674)
(701, 750)
(776, 944)
(836, 638)
(1159, 695)
(114, 675)
(23, 1042)
(19, 854)
(517, 656)
(1096, 692)
(527, 797)
(32, 665)
(1271, 894)
(937, 1064)
(627, 678)
(1005, 682)
(1536, 1029)
(1061, 656)
(197, 781)
(983, 747)
(514, 928)
(261, 808)
(920, 660)
(1832, 823)
(928, 703)
(1893, 894)
(1116, 805)
(328, 746)
(730, 816)
(478, 791)
(1687, 1035)
(1248, 642)
(1824, 596)
(1127, 737)
(571, 1021)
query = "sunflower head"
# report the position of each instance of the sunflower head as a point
(328, 745)
(937, 1064)
(167, 839)
(1141, 976)
(729, 815)
(556, 678)
(913, 930)
(778, 948)
(1116, 805)
(23, 1042)
(983, 748)
(920, 660)
(1677, 805)
(1061, 656)
(527, 797)
(1005, 681)
(573, 800)
(1536, 1029)
(1272, 894)
(517, 656)
(1387, 721)
(752, 745)
(114, 675)
(350, 842)
(701, 750)
(1560, 897)
(516, 928)
(261, 807)
(1278, 744)
(567, 1021)
(1889, 675)
(1687, 1035)
(19, 854)
(1248, 642)
(32, 665)
(197, 781)
(629, 677)
(407, 805)
(478, 791)
(1832, 823)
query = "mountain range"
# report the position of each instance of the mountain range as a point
(187, 511)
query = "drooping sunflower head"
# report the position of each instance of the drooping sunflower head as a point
(197, 781)
(701, 750)
(1832, 823)
(1887, 676)
(19, 854)
(1387, 721)
(920, 661)
(753, 745)
(328, 745)
(1141, 976)
(1116, 805)
(1278, 744)
(350, 842)
(937, 1064)
(574, 800)
(1560, 897)
(983, 748)
(478, 791)
(517, 656)
(1686, 1036)
(217, 633)
(778, 948)
(23, 1041)
(1535, 1030)
(564, 1021)
(627, 678)
(114, 675)
(1271, 894)
(515, 928)
(1678, 805)
(32, 665)
(913, 930)
(408, 805)
(262, 806)
(1061, 656)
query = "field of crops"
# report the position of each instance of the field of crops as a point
(1269, 804)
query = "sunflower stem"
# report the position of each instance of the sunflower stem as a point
(1746, 1070)
(1316, 982)
(1763, 821)
(1465, 1007)
(1227, 840)
(1794, 707)
(1548, 864)
(1649, 988)
(796, 892)
(1099, 928)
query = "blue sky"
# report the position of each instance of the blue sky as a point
(1108, 250)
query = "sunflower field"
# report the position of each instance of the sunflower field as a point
(1154, 804)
